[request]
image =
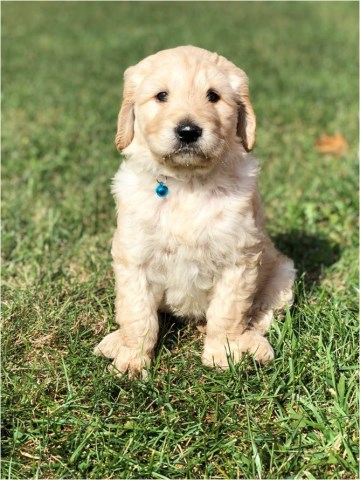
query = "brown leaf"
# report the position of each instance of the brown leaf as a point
(335, 145)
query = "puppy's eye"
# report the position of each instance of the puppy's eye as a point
(162, 96)
(212, 96)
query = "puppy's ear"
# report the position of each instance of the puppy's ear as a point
(126, 117)
(246, 125)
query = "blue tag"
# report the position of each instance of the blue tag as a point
(161, 190)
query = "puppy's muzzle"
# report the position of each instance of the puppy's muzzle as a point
(188, 132)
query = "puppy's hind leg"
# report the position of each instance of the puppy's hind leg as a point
(276, 282)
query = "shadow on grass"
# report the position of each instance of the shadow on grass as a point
(171, 329)
(310, 253)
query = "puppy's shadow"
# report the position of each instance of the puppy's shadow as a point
(311, 254)
(172, 328)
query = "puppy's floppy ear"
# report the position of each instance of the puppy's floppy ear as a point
(246, 125)
(126, 117)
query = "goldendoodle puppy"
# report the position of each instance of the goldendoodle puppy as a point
(190, 235)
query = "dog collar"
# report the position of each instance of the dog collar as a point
(161, 190)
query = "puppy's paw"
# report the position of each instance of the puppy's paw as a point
(217, 352)
(134, 362)
(259, 346)
(110, 346)
(126, 359)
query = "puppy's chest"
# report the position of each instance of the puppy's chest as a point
(195, 234)
(194, 221)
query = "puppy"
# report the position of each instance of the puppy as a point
(190, 235)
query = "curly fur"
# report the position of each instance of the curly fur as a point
(201, 252)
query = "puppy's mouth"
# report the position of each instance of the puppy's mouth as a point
(187, 156)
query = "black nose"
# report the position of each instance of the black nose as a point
(188, 132)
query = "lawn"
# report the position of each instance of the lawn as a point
(63, 414)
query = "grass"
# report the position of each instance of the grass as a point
(64, 415)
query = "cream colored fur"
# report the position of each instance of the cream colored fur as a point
(201, 252)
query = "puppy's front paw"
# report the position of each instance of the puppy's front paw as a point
(217, 352)
(110, 346)
(260, 347)
(126, 359)
(134, 362)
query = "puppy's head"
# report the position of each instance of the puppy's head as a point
(186, 105)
